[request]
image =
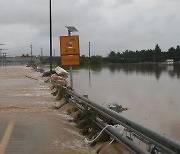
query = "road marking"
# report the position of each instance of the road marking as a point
(6, 137)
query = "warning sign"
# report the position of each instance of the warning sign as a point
(70, 60)
(69, 45)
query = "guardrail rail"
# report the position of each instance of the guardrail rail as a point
(137, 138)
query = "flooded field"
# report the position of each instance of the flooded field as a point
(149, 91)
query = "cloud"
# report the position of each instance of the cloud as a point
(109, 24)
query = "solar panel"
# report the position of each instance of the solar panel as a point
(71, 29)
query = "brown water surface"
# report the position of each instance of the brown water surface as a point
(28, 122)
(150, 91)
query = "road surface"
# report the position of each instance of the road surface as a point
(28, 122)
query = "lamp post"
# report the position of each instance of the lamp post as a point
(50, 22)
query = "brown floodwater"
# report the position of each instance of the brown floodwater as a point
(149, 91)
(26, 106)
(30, 124)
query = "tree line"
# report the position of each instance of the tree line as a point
(128, 56)
(150, 55)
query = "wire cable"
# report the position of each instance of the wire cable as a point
(98, 134)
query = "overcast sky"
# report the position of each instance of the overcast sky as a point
(108, 24)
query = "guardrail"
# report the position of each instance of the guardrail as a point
(135, 133)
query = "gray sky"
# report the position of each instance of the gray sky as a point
(109, 24)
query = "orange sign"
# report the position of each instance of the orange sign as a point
(69, 45)
(70, 60)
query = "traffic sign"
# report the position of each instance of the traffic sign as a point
(70, 60)
(69, 45)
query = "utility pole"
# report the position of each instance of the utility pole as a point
(1, 54)
(89, 51)
(31, 53)
(41, 52)
(4, 59)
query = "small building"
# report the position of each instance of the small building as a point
(169, 61)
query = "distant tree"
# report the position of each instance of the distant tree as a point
(96, 60)
(157, 54)
(113, 57)
(130, 56)
(84, 60)
(172, 49)
(171, 53)
(178, 48)
(112, 54)
(119, 55)
(178, 53)
(157, 49)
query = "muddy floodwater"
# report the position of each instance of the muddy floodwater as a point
(28, 122)
(150, 91)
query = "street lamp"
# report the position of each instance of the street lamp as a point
(50, 22)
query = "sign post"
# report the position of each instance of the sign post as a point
(70, 53)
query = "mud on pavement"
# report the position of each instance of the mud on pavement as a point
(26, 106)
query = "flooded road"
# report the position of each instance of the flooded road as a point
(28, 122)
